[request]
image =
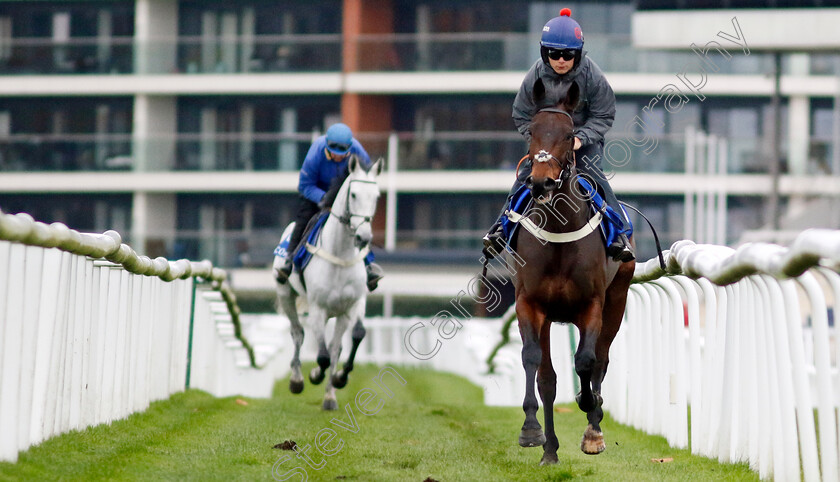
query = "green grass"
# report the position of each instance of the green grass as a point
(435, 426)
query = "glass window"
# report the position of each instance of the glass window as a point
(75, 37)
(66, 133)
(232, 230)
(247, 133)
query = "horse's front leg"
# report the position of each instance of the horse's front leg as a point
(317, 323)
(341, 323)
(613, 311)
(588, 369)
(547, 384)
(357, 335)
(530, 322)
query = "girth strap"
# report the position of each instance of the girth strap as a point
(541, 233)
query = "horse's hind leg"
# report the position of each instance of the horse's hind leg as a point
(547, 384)
(357, 335)
(287, 303)
(530, 322)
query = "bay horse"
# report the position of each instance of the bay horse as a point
(334, 284)
(571, 281)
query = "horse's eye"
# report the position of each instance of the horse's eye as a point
(353, 195)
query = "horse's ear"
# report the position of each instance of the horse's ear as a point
(377, 166)
(572, 97)
(352, 163)
(539, 90)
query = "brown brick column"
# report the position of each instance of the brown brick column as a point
(368, 114)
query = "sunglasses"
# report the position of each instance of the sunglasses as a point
(565, 54)
(334, 146)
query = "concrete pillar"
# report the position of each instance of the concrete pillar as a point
(153, 220)
(153, 136)
(155, 31)
(799, 121)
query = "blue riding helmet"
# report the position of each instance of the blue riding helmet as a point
(339, 139)
(561, 32)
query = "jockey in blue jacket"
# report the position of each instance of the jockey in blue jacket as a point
(325, 162)
(562, 62)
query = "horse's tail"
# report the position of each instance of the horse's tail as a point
(655, 236)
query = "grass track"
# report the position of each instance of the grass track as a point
(435, 426)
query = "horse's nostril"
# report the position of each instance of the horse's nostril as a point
(549, 184)
(529, 182)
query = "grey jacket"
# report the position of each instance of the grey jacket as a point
(595, 111)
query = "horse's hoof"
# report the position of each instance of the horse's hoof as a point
(339, 381)
(295, 386)
(531, 437)
(549, 459)
(316, 376)
(330, 404)
(593, 441)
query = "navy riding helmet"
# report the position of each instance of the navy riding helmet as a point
(562, 33)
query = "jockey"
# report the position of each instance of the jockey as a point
(325, 161)
(563, 61)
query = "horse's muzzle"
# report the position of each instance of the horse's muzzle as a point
(541, 187)
(361, 242)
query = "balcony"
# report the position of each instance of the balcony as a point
(293, 53)
(416, 151)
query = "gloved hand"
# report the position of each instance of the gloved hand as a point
(322, 204)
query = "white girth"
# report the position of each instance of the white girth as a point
(541, 233)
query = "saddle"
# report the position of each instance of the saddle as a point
(301, 257)
(611, 226)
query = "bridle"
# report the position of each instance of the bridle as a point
(347, 217)
(567, 169)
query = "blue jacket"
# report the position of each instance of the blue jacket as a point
(317, 171)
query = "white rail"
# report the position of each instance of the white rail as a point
(741, 340)
(91, 332)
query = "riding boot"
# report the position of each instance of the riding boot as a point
(620, 249)
(282, 274)
(305, 217)
(494, 242)
(374, 274)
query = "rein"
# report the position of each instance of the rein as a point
(348, 216)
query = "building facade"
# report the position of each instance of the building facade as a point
(182, 123)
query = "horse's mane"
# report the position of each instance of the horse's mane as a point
(335, 186)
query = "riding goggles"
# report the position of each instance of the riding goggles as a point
(565, 54)
(337, 148)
